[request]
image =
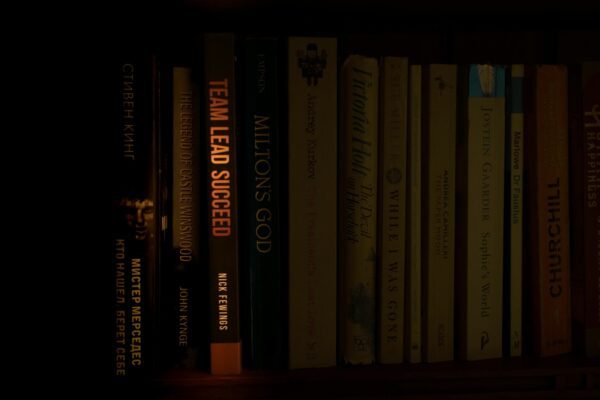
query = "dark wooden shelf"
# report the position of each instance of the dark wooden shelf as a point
(559, 377)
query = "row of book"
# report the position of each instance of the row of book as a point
(385, 212)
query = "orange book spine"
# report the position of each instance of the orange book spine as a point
(547, 133)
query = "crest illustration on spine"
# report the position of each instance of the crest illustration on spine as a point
(312, 63)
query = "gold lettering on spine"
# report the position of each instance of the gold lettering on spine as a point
(262, 185)
(186, 182)
(136, 318)
(220, 137)
(223, 301)
(120, 338)
(183, 317)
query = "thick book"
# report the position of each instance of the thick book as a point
(547, 141)
(584, 121)
(391, 208)
(513, 214)
(358, 208)
(312, 192)
(439, 191)
(480, 209)
(261, 209)
(413, 303)
(182, 284)
(221, 135)
(135, 232)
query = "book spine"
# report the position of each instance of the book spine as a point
(439, 135)
(135, 227)
(591, 128)
(262, 216)
(514, 217)
(312, 123)
(185, 265)
(221, 135)
(413, 214)
(358, 214)
(584, 104)
(547, 143)
(391, 209)
(480, 267)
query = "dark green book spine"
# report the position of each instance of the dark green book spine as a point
(221, 134)
(261, 205)
(134, 217)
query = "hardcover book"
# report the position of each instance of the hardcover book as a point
(312, 193)
(261, 246)
(221, 136)
(186, 266)
(547, 143)
(584, 110)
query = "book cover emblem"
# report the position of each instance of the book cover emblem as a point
(312, 63)
(442, 84)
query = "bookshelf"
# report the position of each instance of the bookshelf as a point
(429, 31)
(560, 377)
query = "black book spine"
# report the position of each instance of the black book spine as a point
(186, 260)
(223, 203)
(134, 219)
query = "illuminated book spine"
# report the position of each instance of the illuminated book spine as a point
(480, 198)
(221, 135)
(413, 347)
(312, 196)
(135, 225)
(261, 245)
(439, 155)
(358, 211)
(391, 209)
